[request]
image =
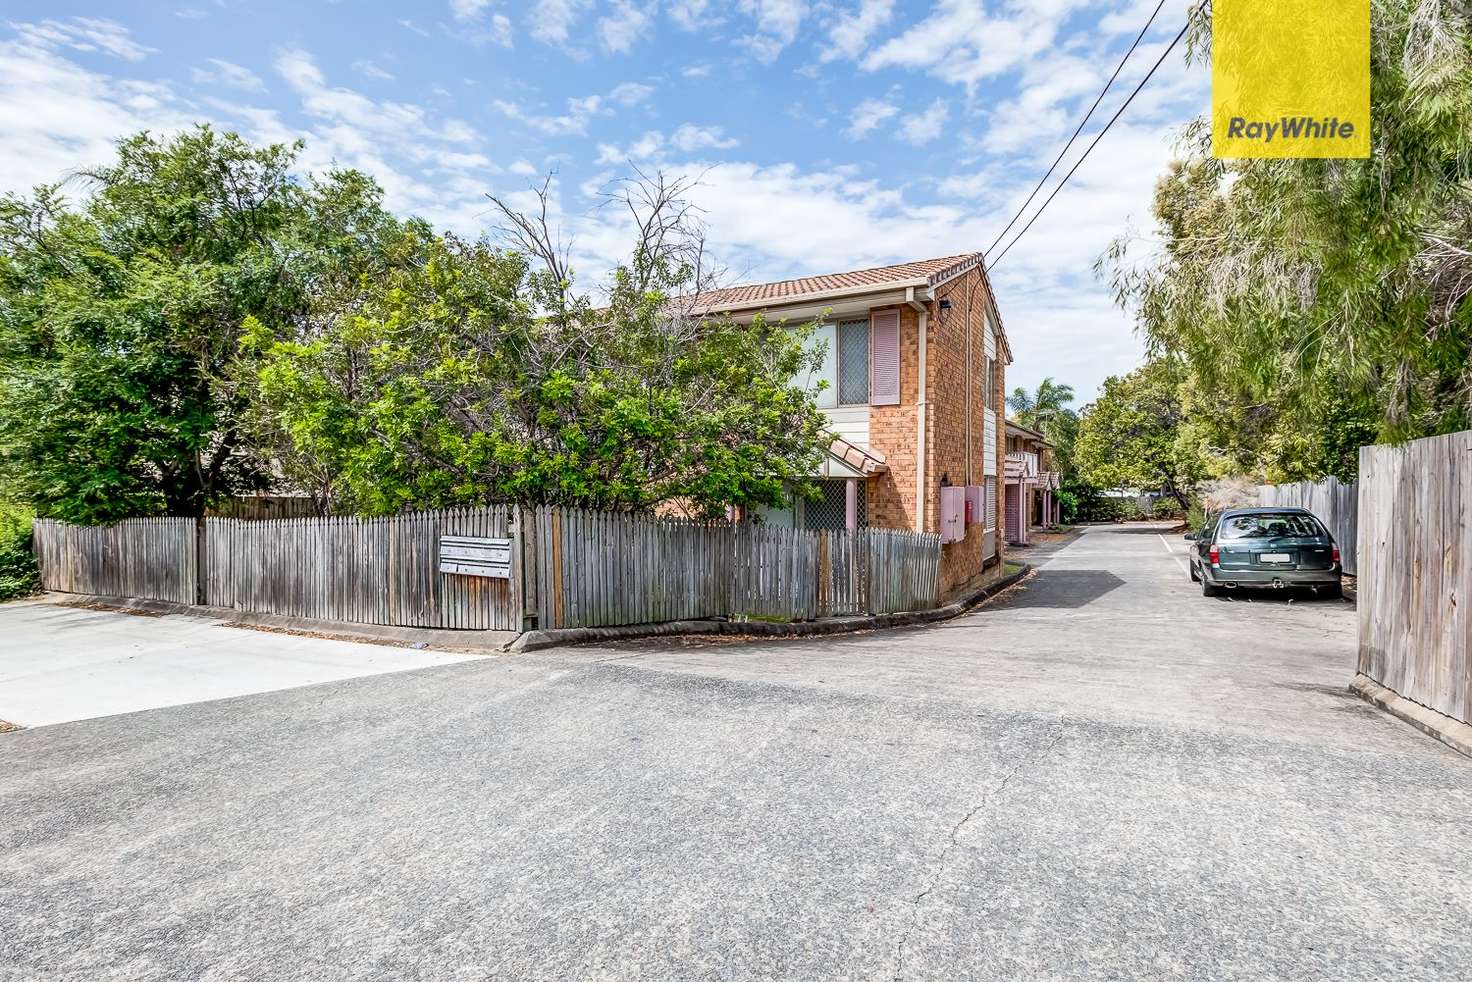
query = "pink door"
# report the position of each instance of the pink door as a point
(1014, 513)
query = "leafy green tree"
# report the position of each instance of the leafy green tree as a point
(18, 575)
(469, 374)
(121, 314)
(1322, 303)
(1132, 436)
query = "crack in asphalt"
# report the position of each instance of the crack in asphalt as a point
(940, 866)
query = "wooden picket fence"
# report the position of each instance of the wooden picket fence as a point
(598, 569)
(367, 571)
(571, 568)
(142, 558)
(1335, 504)
(1415, 580)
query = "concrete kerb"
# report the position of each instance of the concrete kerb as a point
(471, 642)
(1454, 733)
(558, 637)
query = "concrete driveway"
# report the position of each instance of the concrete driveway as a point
(61, 663)
(1103, 775)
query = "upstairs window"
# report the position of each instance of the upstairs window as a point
(853, 363)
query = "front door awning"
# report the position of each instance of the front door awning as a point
(845, 459)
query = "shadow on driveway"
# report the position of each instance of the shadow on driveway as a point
(1066, 588)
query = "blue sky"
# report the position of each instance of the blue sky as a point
(826, 135)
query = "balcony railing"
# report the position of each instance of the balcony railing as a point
(1021, 464)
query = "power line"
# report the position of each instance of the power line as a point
(1082, 123)
(1099, 136)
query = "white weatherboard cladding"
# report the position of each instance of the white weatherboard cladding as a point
(849, 422)
(989, 465)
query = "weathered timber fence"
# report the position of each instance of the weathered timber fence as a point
(1415, 580)
(1335, 504)
(596, 569)
(146, 558)
(368, 571)
(571, 568)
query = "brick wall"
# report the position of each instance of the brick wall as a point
(893, 429)
(952, 379)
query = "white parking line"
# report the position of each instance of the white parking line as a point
(1179, 562)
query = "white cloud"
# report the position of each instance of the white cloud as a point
(56, 116)
(228, 74)
(574, 122)
(696, 71)
(580, 112)
(631, 93)
(921, 128)
(960, 43)
(467, 9)
(626, 23)
(777, 24)
(370, 69)
(500, 30)
(689, 15)
(522, 168)
(472, 26)
(851, 33)
(551, 20)
(84, 34)
(690, 138)
(654, 145)
(867, 115)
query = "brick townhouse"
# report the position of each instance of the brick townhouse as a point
(915, 368)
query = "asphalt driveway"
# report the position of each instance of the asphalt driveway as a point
(1103, 775)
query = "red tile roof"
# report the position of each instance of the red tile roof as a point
(861, 459)
(880, 276)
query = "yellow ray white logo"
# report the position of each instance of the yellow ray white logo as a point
(1290, 78)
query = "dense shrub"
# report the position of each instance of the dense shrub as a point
(17, 562)
(1067, 505)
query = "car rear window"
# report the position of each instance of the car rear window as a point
(1270, 526)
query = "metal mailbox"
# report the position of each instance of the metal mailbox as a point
(470, 555)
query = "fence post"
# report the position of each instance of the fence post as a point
(201, 559)
(524, 565)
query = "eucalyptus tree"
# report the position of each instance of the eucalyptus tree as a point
(1321, 303)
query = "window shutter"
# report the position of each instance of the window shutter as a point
(884, 359)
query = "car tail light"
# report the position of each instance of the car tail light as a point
(1216, 556)
(1336, 555)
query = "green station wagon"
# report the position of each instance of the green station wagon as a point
(1265, 547)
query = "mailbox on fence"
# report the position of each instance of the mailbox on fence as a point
(470, 555)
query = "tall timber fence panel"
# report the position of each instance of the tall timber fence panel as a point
(139, 558)
(361, 570)
(597, 569)
(1336, 505)
(1415, 580)
(569, 568)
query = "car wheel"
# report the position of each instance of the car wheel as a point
(1331, 592)
(1207, 590)
(1192, 567)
